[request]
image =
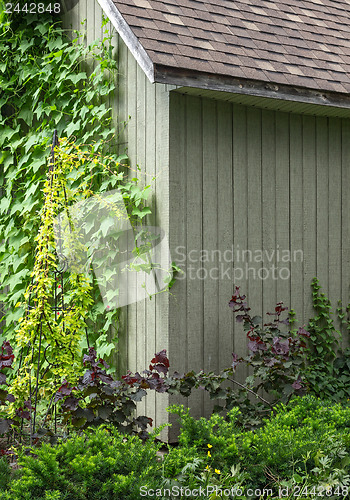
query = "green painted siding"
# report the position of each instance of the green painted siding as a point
(252, 179)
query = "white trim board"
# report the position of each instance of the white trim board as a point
(130, 40)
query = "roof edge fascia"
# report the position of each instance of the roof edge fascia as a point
(209, 81)
(129, 38)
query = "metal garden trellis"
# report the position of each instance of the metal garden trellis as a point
(58, 307)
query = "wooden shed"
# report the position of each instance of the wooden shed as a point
(241, 110)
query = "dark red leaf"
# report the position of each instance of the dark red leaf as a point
(143, 421)
(107, 379)
(71, 403)
(23, 414)
(6, 361)
(160, 368)
(103, 362)
(161, 357)
(256, 345)
(64, 390)
(129, 378)
(91, 357)
(235, 361)
(297, 384)
(303, 332)
(6, 346)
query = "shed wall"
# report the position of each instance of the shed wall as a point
(251, 180)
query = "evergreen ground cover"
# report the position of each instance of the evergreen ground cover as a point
(301, 447)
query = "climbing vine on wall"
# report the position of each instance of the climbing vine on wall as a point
(49, 81)
(49, 337)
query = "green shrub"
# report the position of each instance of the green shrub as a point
(4, 473)
(307, 439)
(215, 431)
(295, 438)
(304, 442)
(101, 465)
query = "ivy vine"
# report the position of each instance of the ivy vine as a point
(50, 81)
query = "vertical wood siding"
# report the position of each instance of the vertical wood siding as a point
(144, 108)
(252, 179)
(344, 242)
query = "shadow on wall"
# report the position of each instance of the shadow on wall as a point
(68, 5)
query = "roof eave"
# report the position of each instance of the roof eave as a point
(209, 81)
(130, 40)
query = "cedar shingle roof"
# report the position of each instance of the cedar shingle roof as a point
(303, 43)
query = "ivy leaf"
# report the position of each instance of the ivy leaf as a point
(4, 205)
(72, 127)
(106, 224)
(7, 133)
(141, 213)
(6, 159)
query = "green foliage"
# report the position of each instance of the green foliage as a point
(304, 442)
(60, 332)
(99, 465)
(323, 335)
(49, 82)
(278, 358)
(52, 82)
(328, 367)
(307, 427)
(210, 481)
(5, 473)
(215, 431)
